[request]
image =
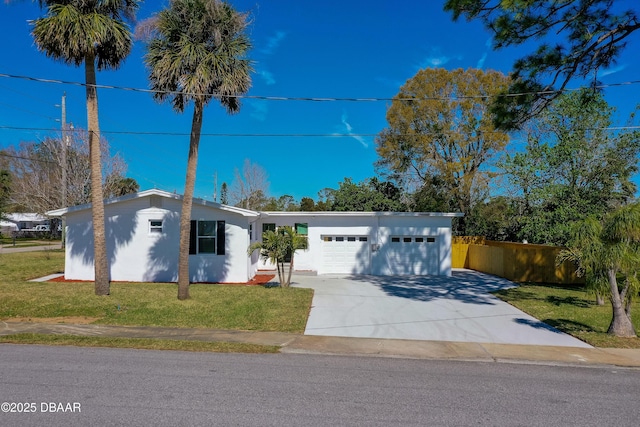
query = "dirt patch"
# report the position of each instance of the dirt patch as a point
(261, 279)
(62, 279)
(74, 320)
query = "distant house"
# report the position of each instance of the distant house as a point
(143, 233)
(21, 221)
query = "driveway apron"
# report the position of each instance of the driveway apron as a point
(433, 308)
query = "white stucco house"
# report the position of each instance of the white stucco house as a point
(21, 221)
(143, 233)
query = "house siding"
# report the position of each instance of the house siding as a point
(379, 258)
(384, 243)
(137, 255)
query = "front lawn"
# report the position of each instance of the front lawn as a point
(571, 310)
(255, 308)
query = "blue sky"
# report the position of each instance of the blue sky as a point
(329, 49)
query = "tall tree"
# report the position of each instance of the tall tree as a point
(371, 195)
(224, 194)
(572, 167)
(577, 39)
(307, 204)
(5, 191)
(439, 127)
(607, 251)
(250, 187)
(198, 52)
(120, 186)
(93, 33)
(37, 169)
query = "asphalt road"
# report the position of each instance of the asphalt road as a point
(67, 386)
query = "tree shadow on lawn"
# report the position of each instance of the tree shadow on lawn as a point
(465, 286)
(574, 301)
(569, 326)
(517, 294)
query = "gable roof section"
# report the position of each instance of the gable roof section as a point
(160, 193)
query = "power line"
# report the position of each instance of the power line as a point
(324, 99)
(277, 135)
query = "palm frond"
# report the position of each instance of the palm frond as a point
(199, 49)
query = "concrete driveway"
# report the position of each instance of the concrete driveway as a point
(433, 308)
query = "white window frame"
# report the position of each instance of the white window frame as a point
(210, 237)
(155, 230)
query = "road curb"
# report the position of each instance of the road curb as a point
(345, 346)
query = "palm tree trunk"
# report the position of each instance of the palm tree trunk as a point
(101, 265)
(187, 201)
(280, 279)
(290, 268)
(621, 325)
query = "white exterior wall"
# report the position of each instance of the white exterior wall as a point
(232, 267)
(319, 226)
(416, 258)
(380, 257)
(137, 255)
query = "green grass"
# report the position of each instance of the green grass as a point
(22, 266)
(571, 310)
(254, 308)
(141, 343)
(8, 242)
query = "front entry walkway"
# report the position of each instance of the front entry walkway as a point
(433, 308)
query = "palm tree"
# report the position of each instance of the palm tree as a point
(197, 52)
(93, 33)
(294, 242)
(605, 251)
(275, 247)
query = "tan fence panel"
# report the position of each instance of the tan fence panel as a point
(460, 250)
(514, 261)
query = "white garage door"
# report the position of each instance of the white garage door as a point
(345, 254)
(409, 255)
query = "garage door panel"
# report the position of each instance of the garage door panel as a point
(345, 254)
(411, 255)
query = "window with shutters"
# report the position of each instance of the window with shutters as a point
(207, 237)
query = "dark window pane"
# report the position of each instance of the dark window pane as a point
(207, 245)
(351, 239)
(395, 240)
(268, 227)
(339, 239)
(302, 229)
(407, 239)
(363, 239)
(206, 228)
(431, 239)
(419, 239)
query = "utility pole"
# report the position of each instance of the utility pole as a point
(65, 142)
(215, 186)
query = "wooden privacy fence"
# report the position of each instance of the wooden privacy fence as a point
(519, 262)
